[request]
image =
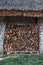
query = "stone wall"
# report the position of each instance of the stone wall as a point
(2, 28)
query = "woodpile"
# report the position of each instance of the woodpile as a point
(21, 37)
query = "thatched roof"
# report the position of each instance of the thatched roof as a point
(30, 8)
(35, 5)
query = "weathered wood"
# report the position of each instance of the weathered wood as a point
(22, 13)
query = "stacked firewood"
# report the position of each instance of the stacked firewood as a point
(21, 37)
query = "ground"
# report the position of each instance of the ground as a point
(22, 59)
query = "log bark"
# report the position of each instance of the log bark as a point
(21, 37)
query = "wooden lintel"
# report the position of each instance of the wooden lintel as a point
(22, 13)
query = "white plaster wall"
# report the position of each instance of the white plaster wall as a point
(40, 21)
(2, 28)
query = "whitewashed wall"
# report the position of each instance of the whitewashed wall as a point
(40, 21)
(2, 28)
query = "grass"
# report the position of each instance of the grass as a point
(22, 59)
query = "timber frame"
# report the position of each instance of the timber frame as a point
(21, 13)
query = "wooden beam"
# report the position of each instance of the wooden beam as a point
(22, 13)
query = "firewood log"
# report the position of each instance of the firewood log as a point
(21, 37)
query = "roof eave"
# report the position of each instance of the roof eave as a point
(21, 13)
